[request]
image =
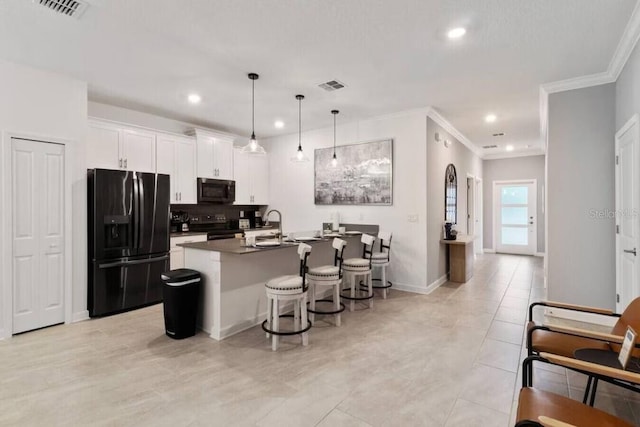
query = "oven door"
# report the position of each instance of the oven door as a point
(216, 191)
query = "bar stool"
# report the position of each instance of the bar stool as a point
(381, 260)
(356, 270)
(327, 275)
(288, 288)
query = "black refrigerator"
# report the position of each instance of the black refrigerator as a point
(128, 239)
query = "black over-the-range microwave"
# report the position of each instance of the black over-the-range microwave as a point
(216, 191)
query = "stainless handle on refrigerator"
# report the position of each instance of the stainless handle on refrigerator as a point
(141, 211)
(134, 262)
(629, 251)
(136, 211)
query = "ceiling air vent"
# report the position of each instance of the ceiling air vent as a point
(499, 134)
(332, 85)
(489, 146)
(73, 8)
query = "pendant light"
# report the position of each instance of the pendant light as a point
(334, 160)
(300, 157)
(253, 147)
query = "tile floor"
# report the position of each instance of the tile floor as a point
(450, 358)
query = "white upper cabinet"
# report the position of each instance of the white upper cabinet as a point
(114, 146)
(139, 150)
(103, 146)
(259, 171)
(251, 174)
(176, 156)
(241, 176)
(215, 154)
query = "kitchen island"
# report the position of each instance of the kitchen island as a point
(233, 277)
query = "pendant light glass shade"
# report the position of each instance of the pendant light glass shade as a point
(253, 147)
(334, 159)
(300, 157)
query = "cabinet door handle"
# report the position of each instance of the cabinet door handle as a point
(125, 164)
(120, 162)
(180, 196)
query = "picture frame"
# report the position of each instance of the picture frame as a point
(628, 345)
(363, 174)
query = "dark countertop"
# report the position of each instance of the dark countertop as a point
(188, 233)
(233, 246)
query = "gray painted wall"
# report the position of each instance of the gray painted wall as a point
(530, 167)
(580, 181)
(628, 89)
(438, 157)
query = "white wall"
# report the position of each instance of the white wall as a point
(291, 188)
(44, 105)
(628, 89)
(530, 167)
(466, 163)
(581, 181)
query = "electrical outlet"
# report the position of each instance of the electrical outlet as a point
(361, 217)
(413, 218)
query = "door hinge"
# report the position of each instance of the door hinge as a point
(617, 297)
(617, 159)
(617, 229)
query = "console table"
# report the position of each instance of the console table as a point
(460, 258)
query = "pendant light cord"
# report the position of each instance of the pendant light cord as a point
(299, 124)
(334, 135)
(253, 107)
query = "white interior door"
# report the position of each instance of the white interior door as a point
(471, 209)
(479, 242)
(38, 234)
(515, 212)
(627, 205)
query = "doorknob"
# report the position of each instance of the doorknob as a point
(629, 251)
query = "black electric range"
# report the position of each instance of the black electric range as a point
(216, 226)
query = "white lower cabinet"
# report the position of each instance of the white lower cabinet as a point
(176, 253)
(251, 174)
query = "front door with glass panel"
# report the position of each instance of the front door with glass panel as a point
(515, 217)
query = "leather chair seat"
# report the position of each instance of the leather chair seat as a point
(561, 344)
(533, 403)
(326, 272)
(356, 264)
(285, 285)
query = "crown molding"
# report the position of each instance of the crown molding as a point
(200, 133)
(513, 154)
(627, 44)
(578, 82)
(620, 57)
(446, 125)
(625, 47)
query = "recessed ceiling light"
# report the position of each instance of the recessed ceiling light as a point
(509, 147)
(490, 118)
(194, 98)
(279, 124)
(456, 33)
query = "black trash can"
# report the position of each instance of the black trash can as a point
(181, 291)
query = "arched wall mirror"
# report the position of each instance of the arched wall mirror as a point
(450, 194)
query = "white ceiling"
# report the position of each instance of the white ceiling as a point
(392, 55)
